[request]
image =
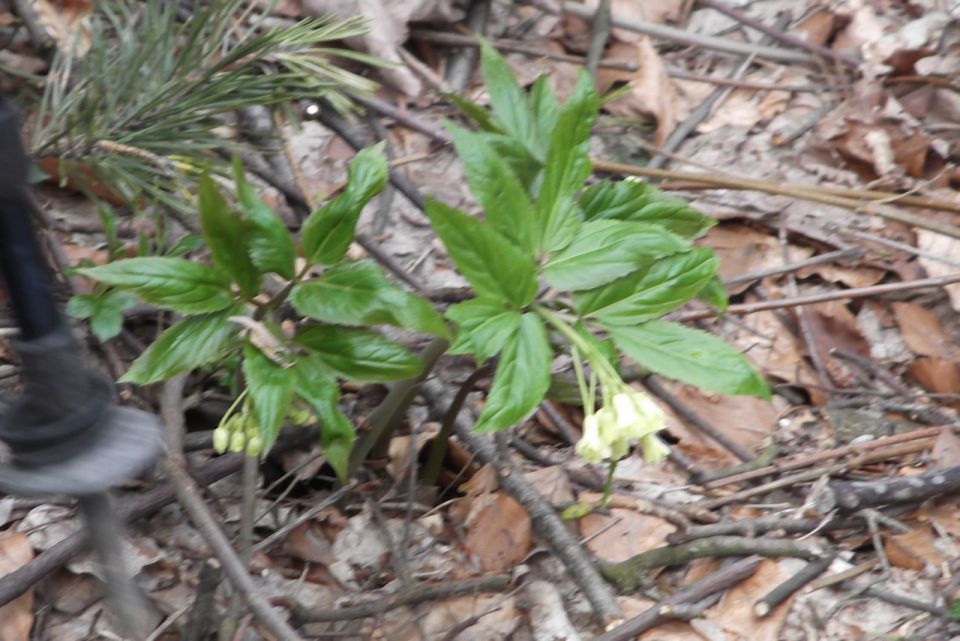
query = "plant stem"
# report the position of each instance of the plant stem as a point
(438, 448)
(608, 483)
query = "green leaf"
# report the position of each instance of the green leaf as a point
(107, 320)
(605, 250)
(358, 293)
(189, 343)
(507, 98)
(185, 245)
(271, 389)
(328, 231)
(526, 167)
(495, 267)
(224, 234)
(522, 377)
(505, 203)
(175, 283)
(483, 327)
(714, 294)
(545, 109)
(314, 387)
(567, 162)
(651, 291)
(271, 245)
(359, 354)
(472, 110)
(689, 355)
(675, 215)
(81, 306)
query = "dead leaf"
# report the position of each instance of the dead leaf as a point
(16, 617)
(923, 333)
(651, 92)
(939, 245)
(912, 550)
(498, 623)
(552, 483)
(745, 420)
(624, 534)
(66, 23)
(735, 612)
(655, 11)
(936, 375)
(501, 535)
(946, 450)
(307, 542)
(742, 250)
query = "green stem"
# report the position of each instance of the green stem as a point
(438, 449)
(608, 484)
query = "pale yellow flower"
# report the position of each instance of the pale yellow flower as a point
(592, 447)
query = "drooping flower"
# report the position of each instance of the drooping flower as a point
(592, 447)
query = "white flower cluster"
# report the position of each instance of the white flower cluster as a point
(609, 432)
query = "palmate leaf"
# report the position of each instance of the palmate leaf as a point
(270, 243)
(270, 386)
(175, 283)
(189, 343)
(690, 356)
(358, 354)
(604, 250)
(505, 202)
(223, 231)
(650, 292)
(522, 376)
(314, 386)
(494, 266)
(328, 231)
(358, 293)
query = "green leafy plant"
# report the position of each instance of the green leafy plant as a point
(228, 313)
(559, 267)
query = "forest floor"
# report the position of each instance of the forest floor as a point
(821, 136)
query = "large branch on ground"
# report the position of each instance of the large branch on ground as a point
(694, 593)
(545, 520)
(23, 578)
(850, 496)
(631, 574)
(410, 595)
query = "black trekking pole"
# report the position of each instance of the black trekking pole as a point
(64, 434)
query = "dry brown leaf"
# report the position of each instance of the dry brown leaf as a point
(923, 333)
(552, 483)
(816, 27)
(651, 92)
(16, 617)
(66, 23)
(501, 535)
(912, 550)
(849, 276)
(656, 11)
(745, 420)
(936, 374)
(832, 326)
(673, 631)
(735, 612)
(624, 534)
(308, 543)
(500, 619)
(946, 450)
(741, 250)
(399, 451)
(940, 245)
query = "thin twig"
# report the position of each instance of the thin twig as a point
(693, 39)
(599, 34)
(463, 61)
(689, 416)
(765, 604)
(408, 595)
(829, 257)
(857, 203)
(780, 34)
(510, 46)
(813, 299)
(812, 459)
